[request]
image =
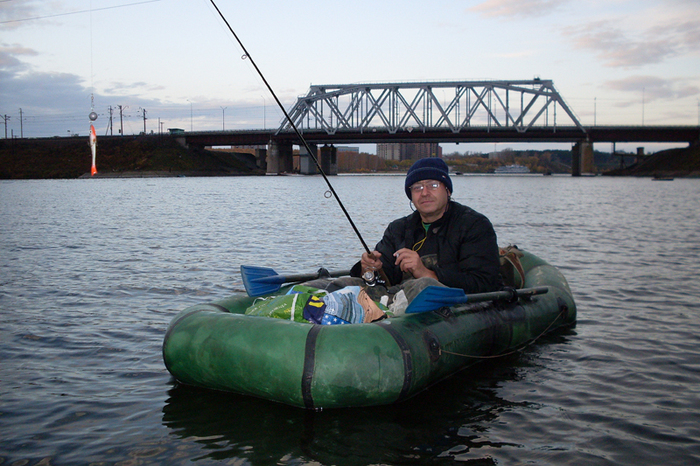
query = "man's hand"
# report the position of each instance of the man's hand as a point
(409, 261)
(370, 261)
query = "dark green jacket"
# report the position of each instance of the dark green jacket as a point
(461, 248)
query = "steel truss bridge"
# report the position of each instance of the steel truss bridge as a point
(436, 112)
(429, 107)
(440, 112)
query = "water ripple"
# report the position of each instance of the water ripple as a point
(86, 296)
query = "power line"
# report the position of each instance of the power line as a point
(76, 12)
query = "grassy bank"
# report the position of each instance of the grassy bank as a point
(63, 158)
(683, 162)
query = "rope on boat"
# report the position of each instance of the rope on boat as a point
(563, 310)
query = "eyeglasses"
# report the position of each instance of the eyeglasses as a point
(430, 186)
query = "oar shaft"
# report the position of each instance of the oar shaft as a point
(302, 277)
(496, 295)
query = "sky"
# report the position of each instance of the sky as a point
(615, 62)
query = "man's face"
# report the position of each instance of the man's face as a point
(430, 198)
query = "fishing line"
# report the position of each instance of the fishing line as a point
(245, 56)
(92, 73)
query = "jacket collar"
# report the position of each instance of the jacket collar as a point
(435, 227)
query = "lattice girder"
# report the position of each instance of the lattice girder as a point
(396, 107)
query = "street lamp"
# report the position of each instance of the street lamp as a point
(190, 114)
(595, 110)
(264, 111)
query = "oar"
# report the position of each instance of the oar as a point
(259, 281)
(435, 297)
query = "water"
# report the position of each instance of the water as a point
(92, 271)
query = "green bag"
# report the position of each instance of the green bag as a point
(289, 306)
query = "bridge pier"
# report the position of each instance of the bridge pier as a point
(582, 158)
(329, 159)
(261, 158)
(307, 166)
(280, 158)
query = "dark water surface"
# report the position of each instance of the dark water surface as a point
(92, 271)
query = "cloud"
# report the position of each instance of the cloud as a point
(517, 8)
(53, 103)
(22, 86)
(10, 12)
(653, 88)
(18, 14)
(647, 36)
(647, 33)
(9, 57)
(136, 88)
(620, 48)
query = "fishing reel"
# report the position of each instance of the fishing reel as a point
(372, 278)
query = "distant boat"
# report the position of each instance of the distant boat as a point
(662, 178)
(512, 169)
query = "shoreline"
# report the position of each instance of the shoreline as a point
(162, 174)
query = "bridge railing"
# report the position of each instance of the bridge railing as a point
(425, 106)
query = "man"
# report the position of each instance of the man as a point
(441, 243)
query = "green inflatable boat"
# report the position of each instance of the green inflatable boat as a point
(218, 346)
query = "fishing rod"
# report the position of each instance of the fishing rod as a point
(246, 55)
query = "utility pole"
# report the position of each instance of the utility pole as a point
(223, 118)
(21, 128)
(144, 120)
(121, 120)
(111, 110)
(7, 117)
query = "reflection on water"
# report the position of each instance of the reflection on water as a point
(92, 271)
(444, 421)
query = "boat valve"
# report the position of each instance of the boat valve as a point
(433, 345)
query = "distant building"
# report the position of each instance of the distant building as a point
(389, 151)
(408, 151)
(500, 155)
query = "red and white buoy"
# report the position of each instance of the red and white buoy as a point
(93, 148)
(93, 142)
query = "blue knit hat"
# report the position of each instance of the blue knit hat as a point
(431, 168)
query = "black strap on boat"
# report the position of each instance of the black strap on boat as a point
(309, 363)
(405, 354)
